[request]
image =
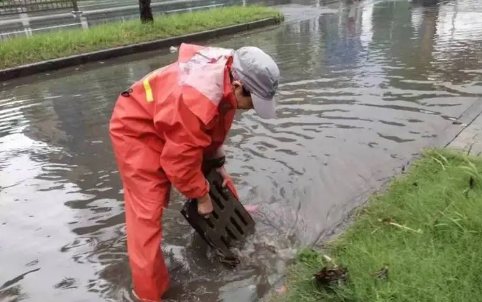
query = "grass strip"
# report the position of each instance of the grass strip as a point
(58, 44)
(419, 241)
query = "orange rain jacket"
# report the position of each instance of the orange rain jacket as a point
(162, 130)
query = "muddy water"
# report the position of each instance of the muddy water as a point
(364, 88)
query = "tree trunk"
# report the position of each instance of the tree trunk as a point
(146, 11)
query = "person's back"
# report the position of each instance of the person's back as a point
(165, 127)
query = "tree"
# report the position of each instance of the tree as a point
(146, 11)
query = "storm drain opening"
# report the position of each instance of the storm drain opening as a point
(240, 217)
(217, 201)
(210, 223)
(230, 234)
(229, 223)
(236, 225)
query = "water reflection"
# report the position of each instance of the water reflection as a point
(363, 90)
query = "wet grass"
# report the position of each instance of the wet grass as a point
(419, 241)
(24, 50)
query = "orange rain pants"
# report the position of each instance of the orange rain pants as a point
(162, 129)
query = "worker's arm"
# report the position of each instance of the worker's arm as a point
(216, 159)
(182, 154)
(219, 153)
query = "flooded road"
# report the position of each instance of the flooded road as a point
(363, 89)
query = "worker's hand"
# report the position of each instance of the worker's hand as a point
(227, 180)
(224, 175)
(205, 205)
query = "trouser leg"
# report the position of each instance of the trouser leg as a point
(144, 233)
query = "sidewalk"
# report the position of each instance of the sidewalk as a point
(470, 138)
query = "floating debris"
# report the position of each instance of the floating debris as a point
(471, 187)
(382, 274)
(230, 261)
(331, 277)
(282, 290)
(386, 220)
(390, 221)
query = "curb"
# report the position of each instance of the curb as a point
(55, 64)
(452, 131)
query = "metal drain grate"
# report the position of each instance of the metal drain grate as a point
(228, 223)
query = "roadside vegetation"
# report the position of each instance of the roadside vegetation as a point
(58, 44)
(419, 241)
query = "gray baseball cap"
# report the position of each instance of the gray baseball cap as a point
(259, 74)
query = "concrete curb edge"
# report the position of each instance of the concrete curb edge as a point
(55, 64)
(452, 131)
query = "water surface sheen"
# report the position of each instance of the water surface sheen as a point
(364, 87)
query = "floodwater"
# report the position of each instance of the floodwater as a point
(363, 89)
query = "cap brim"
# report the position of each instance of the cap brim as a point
(265, 108)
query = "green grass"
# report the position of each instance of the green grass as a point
(24, 50)
(442, 262)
